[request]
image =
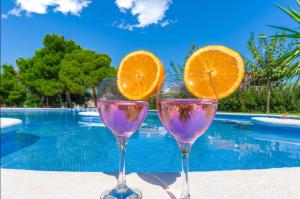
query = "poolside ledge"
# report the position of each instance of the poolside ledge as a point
(238, 184)
(9, 124)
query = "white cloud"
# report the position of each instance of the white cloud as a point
(167, 22)
(15, 12)
(73, 7)
(124, 4)
(147, 12)
(4, 16)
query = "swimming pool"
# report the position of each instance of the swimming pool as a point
(60, 140)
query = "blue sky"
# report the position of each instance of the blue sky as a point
(117, 27)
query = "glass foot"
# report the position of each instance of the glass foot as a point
(122, 193)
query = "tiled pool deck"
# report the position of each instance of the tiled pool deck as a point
(238, 184)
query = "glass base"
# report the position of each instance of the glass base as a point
(122, 193)
(185, 197)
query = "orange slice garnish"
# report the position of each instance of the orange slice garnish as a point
(213, 72)
(139, 75)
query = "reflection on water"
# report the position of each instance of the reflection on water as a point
(64, 141)
(152, 127)
(254, 148)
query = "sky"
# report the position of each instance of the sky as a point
(116, 27)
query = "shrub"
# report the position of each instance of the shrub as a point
(152, 103)
(284, 98)
(32, 101)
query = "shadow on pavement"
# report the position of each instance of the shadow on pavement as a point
(161, 179)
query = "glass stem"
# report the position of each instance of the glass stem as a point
(185, 153)
(122, 155)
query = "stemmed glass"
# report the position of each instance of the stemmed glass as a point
(122, 117)
(185, 117)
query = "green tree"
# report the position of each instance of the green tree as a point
(12, 91)
(32, 100)
(292, 56)
(263, 66)
(40, 73)
(84, 69)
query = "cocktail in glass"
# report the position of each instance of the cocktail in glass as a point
(122, 117)
(185, 117)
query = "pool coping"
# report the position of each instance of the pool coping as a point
(243, 184)
(248, 114)
(34, 109)
(151, 111)
(10, 124)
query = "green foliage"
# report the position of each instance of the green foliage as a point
(291, 57)
(107, 72)
(266, 88)
(40, 73)
(12, 91)
(84, 69)
(32, 101)
(284, 98)
(152, 102)
(264, 76)
(59, 72)
(81, 99)
(263, 68)
(230, 103)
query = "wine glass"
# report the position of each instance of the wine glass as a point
(122, 117)
(185, 117)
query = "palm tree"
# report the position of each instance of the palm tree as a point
(291, 57)
(264, 69)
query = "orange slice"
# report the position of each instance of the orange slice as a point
(213, 72)
(139, 75)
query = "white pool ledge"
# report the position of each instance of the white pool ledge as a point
(10, 124)
(277, 122)
(89, 114)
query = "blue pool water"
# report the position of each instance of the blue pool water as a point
(63, 141)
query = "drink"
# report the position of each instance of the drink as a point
(122, 104)
(187, 103)
(122, 117)
(186, 119)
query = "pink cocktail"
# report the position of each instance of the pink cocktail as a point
(122, 117)
(186, 119)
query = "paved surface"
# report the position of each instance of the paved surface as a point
(249, 184)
